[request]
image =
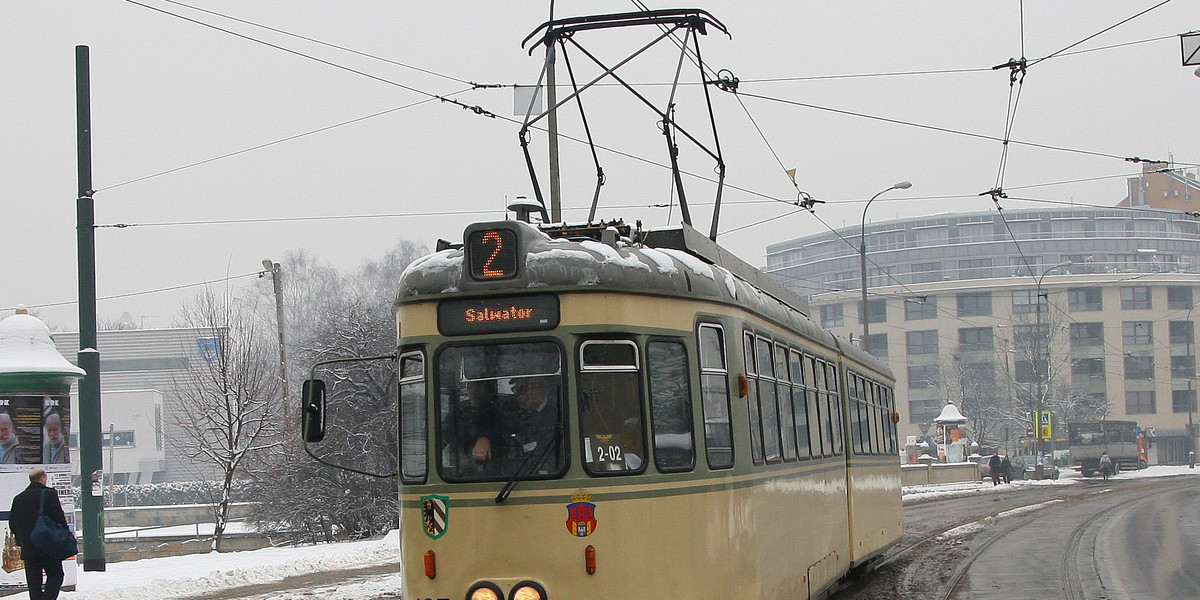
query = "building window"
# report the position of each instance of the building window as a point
(1135, 298)
(1179, 297)
(878, 343)
(1027, 301)
(975, 338)
(1183, 366)
(1139, 367)
(1087, 370)
(1139, 403)
(923, 377)
(1084, 335)
(1137, 333)
(926, 272)
(975, 268)
(924, 411)
(1023, 371)
(1182, 332)
(922, 342)
(1027, 336)
(1081, 299)
(831, 315)
(1179, 401)
(975, 304)
(920, 307)
(876, 311)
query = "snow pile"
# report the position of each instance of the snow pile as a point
(191, 575)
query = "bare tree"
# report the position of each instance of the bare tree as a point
(339, 317)
(969, 380)
(223, 410)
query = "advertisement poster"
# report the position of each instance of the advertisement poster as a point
(34, 430)
(12, 573)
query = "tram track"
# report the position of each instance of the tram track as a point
(1068, 568)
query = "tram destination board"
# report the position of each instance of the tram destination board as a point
(535, 312)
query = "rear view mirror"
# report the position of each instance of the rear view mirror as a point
(312, 410)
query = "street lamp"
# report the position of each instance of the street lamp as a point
(1043, 369)
(275, 270)
(862, 255)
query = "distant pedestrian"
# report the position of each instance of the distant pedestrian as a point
(21, 519)
(1106, 465)
(1006, 469)
(994, 468)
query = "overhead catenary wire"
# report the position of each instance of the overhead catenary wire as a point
(480, 110)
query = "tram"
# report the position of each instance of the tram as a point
(594, 411)
(692, 433)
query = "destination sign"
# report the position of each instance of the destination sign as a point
(498, 315)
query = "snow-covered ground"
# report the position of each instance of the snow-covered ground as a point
(181, 576)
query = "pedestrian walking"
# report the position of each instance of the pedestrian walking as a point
(1006, 469)
(994, 468)
(37, 498)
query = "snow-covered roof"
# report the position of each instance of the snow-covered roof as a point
(26, 347)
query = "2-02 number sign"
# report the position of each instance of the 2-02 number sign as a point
(493, 254)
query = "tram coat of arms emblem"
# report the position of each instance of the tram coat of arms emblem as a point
(581, 515)
(435, 514)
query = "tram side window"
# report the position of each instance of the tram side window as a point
(799, 406)
(756, 436)
(881, 435)
(891, 408)
(670, 406)
(833, 425)
(811, 375)
(783, 395)
(610, 407)
(412, 418)
(767, 399)
(855, 424)
(714, 389)
(823, 408)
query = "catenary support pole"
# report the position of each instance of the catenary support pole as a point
(91, 459)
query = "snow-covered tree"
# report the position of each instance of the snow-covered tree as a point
(223, 404)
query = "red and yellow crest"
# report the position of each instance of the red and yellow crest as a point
(581, 514)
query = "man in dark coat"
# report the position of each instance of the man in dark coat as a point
(21, 520)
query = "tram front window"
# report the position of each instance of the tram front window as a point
(500, 412)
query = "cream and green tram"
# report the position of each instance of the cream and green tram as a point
(588, 416)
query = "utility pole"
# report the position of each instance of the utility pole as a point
(276, 271)
(1041, 366)
(91, 458)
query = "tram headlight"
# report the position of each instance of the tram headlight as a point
(527, 590)
(484, 591)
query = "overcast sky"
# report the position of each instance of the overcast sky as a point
(169, 93)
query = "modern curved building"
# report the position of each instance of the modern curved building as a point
(1082, 312)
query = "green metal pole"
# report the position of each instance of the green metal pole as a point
(91, 460)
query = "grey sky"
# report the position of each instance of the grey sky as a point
(167, 93)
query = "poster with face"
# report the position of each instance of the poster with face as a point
(35, 430)
(56, 433)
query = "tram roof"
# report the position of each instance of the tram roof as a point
(677, 261)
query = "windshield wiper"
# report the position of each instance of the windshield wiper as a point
(554, 440)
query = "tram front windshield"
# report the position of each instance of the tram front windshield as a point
(500, 410)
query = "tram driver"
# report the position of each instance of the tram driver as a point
(524, 426)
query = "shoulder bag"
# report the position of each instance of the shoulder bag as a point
(52, 538)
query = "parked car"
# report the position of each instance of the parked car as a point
(1025, 467)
